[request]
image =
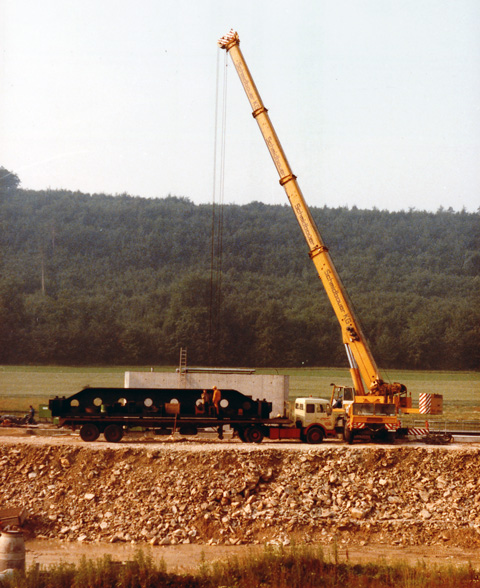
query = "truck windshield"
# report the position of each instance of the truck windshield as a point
(367, 409)
(364, 409)
(385, 409)
(348, 394)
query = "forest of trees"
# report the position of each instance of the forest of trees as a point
(96, 279)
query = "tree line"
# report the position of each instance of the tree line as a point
(99, 279)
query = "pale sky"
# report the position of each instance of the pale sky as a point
(376, 102)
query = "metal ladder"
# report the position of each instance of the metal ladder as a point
(182, 370)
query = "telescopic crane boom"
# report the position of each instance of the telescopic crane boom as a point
(359, 355)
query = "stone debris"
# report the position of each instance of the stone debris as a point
(363, 495)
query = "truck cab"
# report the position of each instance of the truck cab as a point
(315, 419)
(373, 417)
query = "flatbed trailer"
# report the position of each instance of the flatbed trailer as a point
(248, 429)
(114, 411)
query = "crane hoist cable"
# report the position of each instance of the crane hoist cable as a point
(216, 246)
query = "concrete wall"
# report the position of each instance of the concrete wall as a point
(275, 389)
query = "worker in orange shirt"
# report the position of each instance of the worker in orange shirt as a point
(217, 396)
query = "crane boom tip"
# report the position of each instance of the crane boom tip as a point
(229, 39)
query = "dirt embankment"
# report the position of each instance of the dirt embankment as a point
(171, 494)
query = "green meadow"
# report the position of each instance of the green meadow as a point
(21, 386)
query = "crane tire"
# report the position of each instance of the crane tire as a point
(113, 433)
(314, 435)
(348, 435)
(392, 435)
(89, 432)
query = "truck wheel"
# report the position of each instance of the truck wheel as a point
(384, 436)
(254, 434)
(89, 432)
(348, 435)
(113, 433)
(314, 435)
(392, 435)
(241, 434)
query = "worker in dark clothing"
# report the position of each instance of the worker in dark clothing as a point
(207, 400)
(31, 415)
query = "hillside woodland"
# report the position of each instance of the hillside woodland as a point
(98, 279)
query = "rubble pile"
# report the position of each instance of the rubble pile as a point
(394, 495)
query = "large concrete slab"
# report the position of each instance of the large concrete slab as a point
(273, 388)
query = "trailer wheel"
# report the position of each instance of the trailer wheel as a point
(188, 430)
(113, 433)
(348, 435)
(89, 432)
(314, 435)
(254, 434)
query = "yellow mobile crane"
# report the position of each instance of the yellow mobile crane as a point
(376, 403)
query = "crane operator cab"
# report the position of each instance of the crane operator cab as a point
(342, 397)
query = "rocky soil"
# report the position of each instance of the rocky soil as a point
(237, 494)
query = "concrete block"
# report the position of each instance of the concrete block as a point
(272, 388)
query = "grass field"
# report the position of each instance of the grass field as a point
(21, 386)
(300, 567)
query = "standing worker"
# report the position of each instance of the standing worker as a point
(217, 396)
(207, 400)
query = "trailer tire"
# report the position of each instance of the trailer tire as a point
(89, 432)
(113, 433)
(188, 430)
(254, 434)
(314, 435)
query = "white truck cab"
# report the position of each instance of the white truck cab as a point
(311, 410)
(315, 419)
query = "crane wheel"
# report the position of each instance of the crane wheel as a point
(348, 435)
(392, 435)
(314, 435)
(113, 433)
(89, 432)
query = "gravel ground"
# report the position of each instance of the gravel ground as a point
(203, 499)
